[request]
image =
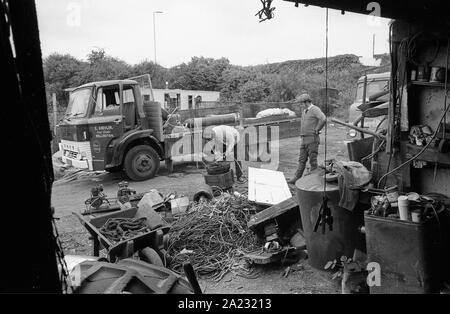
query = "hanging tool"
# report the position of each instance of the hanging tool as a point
(192, 278)
(324, 217)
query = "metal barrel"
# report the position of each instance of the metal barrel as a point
(344, 237)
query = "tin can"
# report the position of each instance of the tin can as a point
(434, 73)
(413, 74)
(422, 73)
(416, 216)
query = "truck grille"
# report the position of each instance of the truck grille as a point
(71, 149)
(70, 154)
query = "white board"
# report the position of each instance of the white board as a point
(267, 186)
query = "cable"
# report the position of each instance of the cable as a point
(446, 84)
(326, 102)
(436, 130)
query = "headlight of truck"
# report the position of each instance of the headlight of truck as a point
(352, 133)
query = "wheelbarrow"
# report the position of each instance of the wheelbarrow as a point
(149, 245)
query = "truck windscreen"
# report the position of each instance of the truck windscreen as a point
(372, 88)
(78, 103)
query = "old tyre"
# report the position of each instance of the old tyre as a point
(150, 256)
(218, 168)
(141, 163)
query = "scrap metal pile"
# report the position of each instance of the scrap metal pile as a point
(214, 237)
(120, 229)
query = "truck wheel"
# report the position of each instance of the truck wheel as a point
(141, 163)
(150, 256)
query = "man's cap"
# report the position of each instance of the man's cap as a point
(303, 98)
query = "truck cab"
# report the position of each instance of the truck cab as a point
(371, 85)
(107, 127)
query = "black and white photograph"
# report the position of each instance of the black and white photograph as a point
(226, 152)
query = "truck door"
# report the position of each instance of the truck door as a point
(129, 111)
(105, 122)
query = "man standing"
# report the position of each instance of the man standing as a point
(312, 121)
(227, 138)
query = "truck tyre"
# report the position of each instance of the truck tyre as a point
(141, 163)
(150, 256)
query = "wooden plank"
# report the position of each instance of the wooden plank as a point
(267, 187)
(430, 155)
(272, 212)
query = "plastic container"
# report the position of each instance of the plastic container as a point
(344, 238)
(403, 208)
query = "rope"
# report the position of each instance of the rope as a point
(326, 103)
(120, 229)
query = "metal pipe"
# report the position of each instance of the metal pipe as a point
(351, 126)
(154, 31)
(364, 100)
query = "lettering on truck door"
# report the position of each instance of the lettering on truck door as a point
(105, 123)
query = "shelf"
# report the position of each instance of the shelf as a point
(430, 155)
(430, 84)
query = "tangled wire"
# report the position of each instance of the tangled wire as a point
(120, 229)
(214, 237)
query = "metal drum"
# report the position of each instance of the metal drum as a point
(345, 236)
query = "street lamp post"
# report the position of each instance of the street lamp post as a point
(154, 31)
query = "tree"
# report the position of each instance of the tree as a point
(61, 72)
(281, 88)
(199, 74)
(96, 56)
(232, 80)
(158, 74)
(103, 67)
(253, 91)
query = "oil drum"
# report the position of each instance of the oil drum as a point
(344, 237)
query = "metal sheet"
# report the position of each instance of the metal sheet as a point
(267, 186)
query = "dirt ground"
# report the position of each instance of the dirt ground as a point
(68, 197)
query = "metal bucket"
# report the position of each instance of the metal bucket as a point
(345, 236)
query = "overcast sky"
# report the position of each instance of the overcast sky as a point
(209, 28)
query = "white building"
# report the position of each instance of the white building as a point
(180, 98)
